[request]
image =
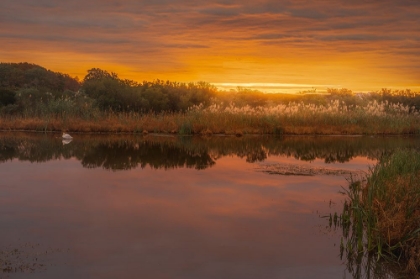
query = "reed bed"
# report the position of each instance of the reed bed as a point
(334, 117)
(381, 218)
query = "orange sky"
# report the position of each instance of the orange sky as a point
(361, 45)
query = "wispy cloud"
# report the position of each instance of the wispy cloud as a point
(190, 40)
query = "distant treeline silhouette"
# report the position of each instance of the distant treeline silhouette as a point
(33, 91)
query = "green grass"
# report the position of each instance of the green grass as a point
(381, 217)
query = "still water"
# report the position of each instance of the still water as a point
(177, 207)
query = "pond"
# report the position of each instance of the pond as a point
(122, 206)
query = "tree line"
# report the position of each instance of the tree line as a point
(32, 90)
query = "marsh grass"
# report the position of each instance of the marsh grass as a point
(381, 217)
(334, 117)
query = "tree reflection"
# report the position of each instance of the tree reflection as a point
(129, 155)
(123, 152)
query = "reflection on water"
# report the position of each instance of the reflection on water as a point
(359, 262)
(66, 141)
(128, 152)
(174, 207)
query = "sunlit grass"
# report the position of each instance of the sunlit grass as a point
(334, 117)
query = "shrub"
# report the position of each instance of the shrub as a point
(7, 97)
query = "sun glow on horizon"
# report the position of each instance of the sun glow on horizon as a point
(263, 45)
(276, 87)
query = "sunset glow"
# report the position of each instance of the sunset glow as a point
(272, 46)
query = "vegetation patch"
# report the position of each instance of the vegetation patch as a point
(27, 258)
(299, 169)
(34, 98)
(381, 217)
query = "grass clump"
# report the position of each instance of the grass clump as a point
(381, 218)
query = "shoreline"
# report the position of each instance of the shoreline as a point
(206, 135)
(222, 123)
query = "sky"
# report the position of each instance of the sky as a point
(271, 45)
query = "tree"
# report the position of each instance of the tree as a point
(99, 74)
(17, 76)
(7, 97)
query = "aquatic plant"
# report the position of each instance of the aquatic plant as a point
(381, 216)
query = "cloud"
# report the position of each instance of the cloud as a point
(360, 37)
(196, 37)
(220, 10)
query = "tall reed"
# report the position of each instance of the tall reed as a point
(334, 117)
(382, 214)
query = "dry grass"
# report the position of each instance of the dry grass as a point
(398, 219)
(382, 216)
(393, 220)
(295, 118)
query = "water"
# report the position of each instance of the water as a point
(176, 207)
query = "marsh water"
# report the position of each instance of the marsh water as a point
(123, 206)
